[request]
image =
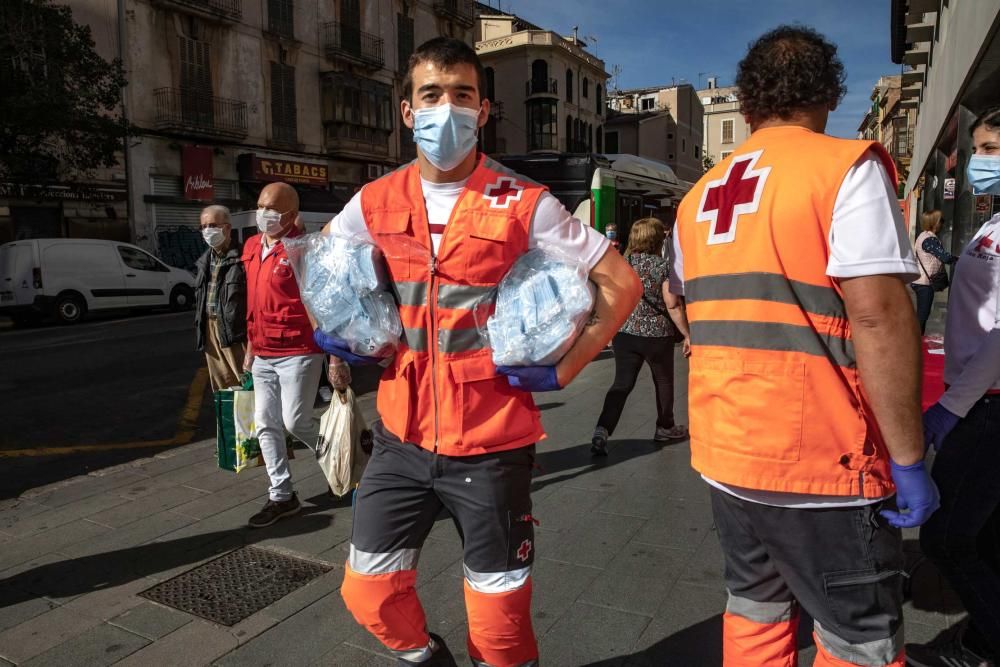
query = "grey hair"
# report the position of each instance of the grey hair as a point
(217, 209)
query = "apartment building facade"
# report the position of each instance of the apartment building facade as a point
(229, 95)
(659, 123)
(891, 123)
(547, 91)
(725, 127)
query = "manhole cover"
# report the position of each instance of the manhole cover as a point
(232, 587)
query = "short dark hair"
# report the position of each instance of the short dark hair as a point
(445, 52)
(989, 119)
(789, 69)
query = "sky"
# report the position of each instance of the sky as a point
(657, 42)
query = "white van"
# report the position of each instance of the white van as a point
(68, 277)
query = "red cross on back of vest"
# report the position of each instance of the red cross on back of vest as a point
(738, 192)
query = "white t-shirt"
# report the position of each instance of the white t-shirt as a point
(552, 225)
(972, 334)
(867, 237)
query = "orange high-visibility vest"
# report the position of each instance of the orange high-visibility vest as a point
(442, 390)
(775, 400)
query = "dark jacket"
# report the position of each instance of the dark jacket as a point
(232, 298)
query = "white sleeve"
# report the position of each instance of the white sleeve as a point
(350, 222)
(554, 226)
(677, 267)
(868, 236)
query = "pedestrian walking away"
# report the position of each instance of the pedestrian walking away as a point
(455, 431)
(646, 337)
(963, 537)
(285, 361)
(793, 261)
(220, 316)
(931, 260)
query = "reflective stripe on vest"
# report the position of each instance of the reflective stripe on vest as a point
(773, 336)
(816, 299)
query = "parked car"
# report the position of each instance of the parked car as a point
(67, 278)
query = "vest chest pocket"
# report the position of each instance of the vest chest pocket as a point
(493, 244)
(752, 408)
(391, 230)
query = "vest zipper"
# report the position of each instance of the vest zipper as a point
(432, 296)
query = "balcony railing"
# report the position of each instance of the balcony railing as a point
(341, 137)
(541, 87)
(341, 41)
(227, 9)
(459, 11)
(194, 112)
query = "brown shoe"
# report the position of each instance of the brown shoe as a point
(275, 511)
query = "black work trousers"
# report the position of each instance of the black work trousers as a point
(630, 353)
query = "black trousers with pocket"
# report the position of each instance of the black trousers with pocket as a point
(630, 353)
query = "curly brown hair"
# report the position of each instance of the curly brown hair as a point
(787, 70)
(646, 237)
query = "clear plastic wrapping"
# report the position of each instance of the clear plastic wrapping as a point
(344, 284)
(542, 304)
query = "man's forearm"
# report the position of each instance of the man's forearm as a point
(618, 291)
(887, 345)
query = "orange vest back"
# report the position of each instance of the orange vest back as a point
(442, 390)
(775, 400)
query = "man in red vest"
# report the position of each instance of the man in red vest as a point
(804, 382)
(457, 433)
(284, 359)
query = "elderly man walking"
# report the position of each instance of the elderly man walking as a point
(220, 318)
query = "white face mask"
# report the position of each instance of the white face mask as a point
(269, 221)
(213, 236)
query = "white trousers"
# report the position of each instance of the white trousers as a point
(284, 395)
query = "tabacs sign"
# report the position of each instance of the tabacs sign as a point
(253, 168)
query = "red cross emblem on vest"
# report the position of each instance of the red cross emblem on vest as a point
(524, 551)
(738, 192)
(503, 192)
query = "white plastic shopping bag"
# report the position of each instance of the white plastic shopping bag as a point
(247, 445)
(338, 448)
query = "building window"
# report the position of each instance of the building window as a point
(284, 123)
(590, 138)
(600, 100)
(697, 151)
(404, 43)
(569, 85)
(569, 134)
(670, 136)
(280, 19)
(540, 73)
(728, 129)
(586, 87)
(542, 125)
(611, 142)
(357, 112)
(647, 103)
(684, 145)
(196, 82)
(600, 140)
(670, 156)
(490, 84)
(726, 154)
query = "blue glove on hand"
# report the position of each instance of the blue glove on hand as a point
(938, 423)
(340, 349)
(916, 492)
(531, 378)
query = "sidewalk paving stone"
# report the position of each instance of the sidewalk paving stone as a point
(143, 508)
(99, 646)
(56, 517)
(192, 645)
(151, 620)
(637, 580)
(34, 637)
(588, 634)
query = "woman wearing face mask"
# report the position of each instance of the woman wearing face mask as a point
(611, 231)
(963, 537)
(931, 258)
(220, 317)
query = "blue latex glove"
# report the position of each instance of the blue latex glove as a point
(916, 492)
(938, 423)
(340, 349)
(531, 378)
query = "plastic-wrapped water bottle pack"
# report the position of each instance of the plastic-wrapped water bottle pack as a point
(542, 305)
(345, 286)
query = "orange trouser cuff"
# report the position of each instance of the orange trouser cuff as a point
(746, 643)
(500, 632)
(387, 605)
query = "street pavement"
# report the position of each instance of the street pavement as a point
(628, 568)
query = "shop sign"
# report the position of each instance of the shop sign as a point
(63, 192)
(984, 203)
(289, 171)
(949, 188)
(196, 172)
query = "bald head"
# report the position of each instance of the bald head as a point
(280, 197)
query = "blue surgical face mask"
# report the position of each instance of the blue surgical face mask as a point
(984, 174)
(612, 234)
(445, 133)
